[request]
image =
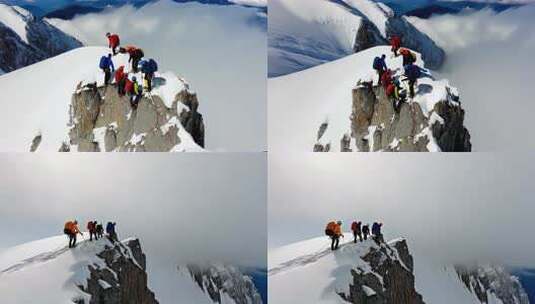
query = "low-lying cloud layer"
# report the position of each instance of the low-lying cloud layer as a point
(197, 207)
(490, 59)
(454, 208)
(219, 49)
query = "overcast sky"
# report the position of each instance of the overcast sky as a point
(220, 50)
(183, 208)
(490, 59)
(454, 207)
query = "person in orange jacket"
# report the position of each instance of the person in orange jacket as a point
(334, 231)
(71, 230)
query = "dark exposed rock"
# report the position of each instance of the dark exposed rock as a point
(390, 280)
(216, 280)
(485, 280)
(35, 142)
(123, 280)
(367, 36)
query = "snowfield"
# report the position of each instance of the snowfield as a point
(300, 102)
(36, 98)
(48, 270)
(309, 272)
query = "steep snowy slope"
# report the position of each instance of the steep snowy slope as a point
(305, 33)
(49, 272)
(25, 39)
(45, 105)
(309, 272)
(299, 103)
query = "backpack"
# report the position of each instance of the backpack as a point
(329, 230)
(144, 66)
(153, 65)
(103, 62)
(377, 63)
(354, 226)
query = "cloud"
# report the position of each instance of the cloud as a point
(490, 59)
(219, 49)
(196, 207)
(453, 208)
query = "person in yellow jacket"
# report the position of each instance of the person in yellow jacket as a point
(334, 231)
(71, 230)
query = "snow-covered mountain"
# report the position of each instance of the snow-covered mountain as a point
(325, 109)
(309, 272)
(217, 283)
(47, 271)
(54, 111)
(25, 39)
(306, 33)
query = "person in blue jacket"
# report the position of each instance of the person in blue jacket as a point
(376, 232)
(110, 230)
(106, 65)
(412, 72)
(379, 65)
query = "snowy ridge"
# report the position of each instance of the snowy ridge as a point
(218, 283)
(23, 268)
(324, 94)
(306, 33)
(25, 39)
(46, 108)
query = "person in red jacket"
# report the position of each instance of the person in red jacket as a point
(113, 42)
(386, 78)
(92, 228)
(395, 42)
(357, 231)
(120, 80)
(135, 56)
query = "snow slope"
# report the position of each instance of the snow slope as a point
(304, 33)
(300, 102)
(15, 18)
(309, 272)
(49, 269)
(36, 98)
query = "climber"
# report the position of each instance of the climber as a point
(148, 68)
(91, 227)
(398, 96)
(357, 231)
(135, 56)
(113, 42)
(412, 72)
(386, 78)
(395, 42)
(135, 91)
(120, 80)
(376, 231)
(379, 65)
(99, 230)
(105, 64)
(366, 231)
(71, 230)
(110, 230)
(408, 56)
(334, 231)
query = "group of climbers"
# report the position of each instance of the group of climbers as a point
(392, 84)
(127, 85)
(95, 230)
(360, 232)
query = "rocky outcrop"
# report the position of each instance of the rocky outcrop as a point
(123, 280)
(377, 126)
(101, 120)
(42, 41)
(216, 280)
(367, 36)
(389, 280)
(485, 280)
